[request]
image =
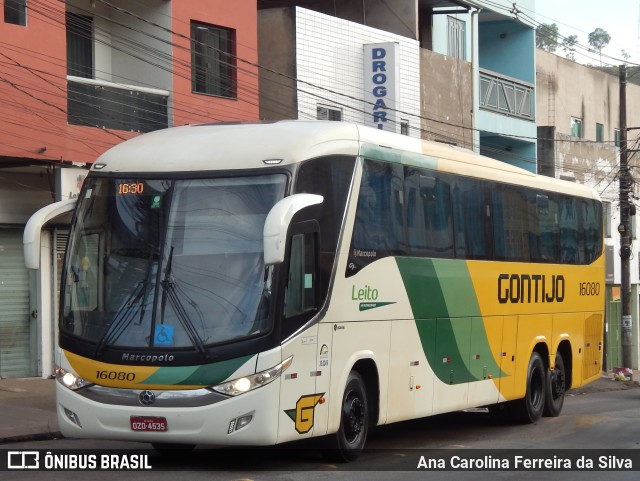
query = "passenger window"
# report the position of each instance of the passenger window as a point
(472, 219)
(570, 251)
(592, 224)
(378, 229)
(510, 224)
(379, 224)
(549, 227)
(429, 219)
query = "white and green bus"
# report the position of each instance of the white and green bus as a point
(253, 284)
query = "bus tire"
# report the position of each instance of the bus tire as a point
(529, 409)
(555, 388)
(347, 444)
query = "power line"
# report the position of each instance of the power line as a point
(335, 94)
(529, 20)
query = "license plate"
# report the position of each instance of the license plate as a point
(148, 423)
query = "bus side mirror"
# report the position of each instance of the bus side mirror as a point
(33, 230)
(277, 223)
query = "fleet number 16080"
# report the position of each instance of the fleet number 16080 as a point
(589, 288)
(116, 375)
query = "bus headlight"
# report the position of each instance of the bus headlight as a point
(70, 380)
(249, 383)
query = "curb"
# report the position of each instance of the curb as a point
(31, 437)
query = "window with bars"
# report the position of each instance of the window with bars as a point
(213, 61)
(506, 96)
(329, 113)
(456, 44)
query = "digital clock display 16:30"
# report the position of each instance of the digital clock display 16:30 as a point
(131, 188)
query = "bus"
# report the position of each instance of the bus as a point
(258, 283)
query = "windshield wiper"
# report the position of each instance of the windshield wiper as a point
(124, 316)
(169, 291)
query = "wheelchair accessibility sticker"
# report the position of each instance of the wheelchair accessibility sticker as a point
(163, 335)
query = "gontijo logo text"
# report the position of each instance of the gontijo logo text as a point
(530, 288)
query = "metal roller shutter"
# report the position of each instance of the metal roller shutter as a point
(17, 331)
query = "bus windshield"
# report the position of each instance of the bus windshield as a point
(169, 262)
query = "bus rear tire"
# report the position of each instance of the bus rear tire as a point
(347, 444)
(529, 409)
(555, 388)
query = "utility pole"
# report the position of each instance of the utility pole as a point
(624, 228)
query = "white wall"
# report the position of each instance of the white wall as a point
(155, 52)
(330, 55)
(114, 41)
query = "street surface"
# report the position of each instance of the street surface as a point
(590, 421)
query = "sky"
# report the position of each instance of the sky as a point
(620, 18)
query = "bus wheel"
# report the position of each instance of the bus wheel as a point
(555, 387)
(530, 408)
(349, 441)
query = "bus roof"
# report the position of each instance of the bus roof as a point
(228, 146)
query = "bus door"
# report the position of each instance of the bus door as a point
(298, 395)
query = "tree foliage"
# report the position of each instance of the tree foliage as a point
(547, 37)
(568, 45)
(599, 39)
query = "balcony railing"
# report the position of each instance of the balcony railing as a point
(506, 96)
(96, 103)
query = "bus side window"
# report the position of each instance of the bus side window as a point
(591, 216)
(300, 296)
(379, 225)
(569, 241)
(473, 216)
(511, 224)
(549, 224)
(429, 218)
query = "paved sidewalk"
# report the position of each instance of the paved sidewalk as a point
(28, 408)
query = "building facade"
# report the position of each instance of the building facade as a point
(578, 140)
(317, 66)
(475, 69)
(77, 78)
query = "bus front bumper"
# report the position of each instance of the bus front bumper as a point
(250, 419)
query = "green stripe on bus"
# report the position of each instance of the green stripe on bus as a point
(448, 319)
(438, 287)
(205, 375)
(399, 156)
